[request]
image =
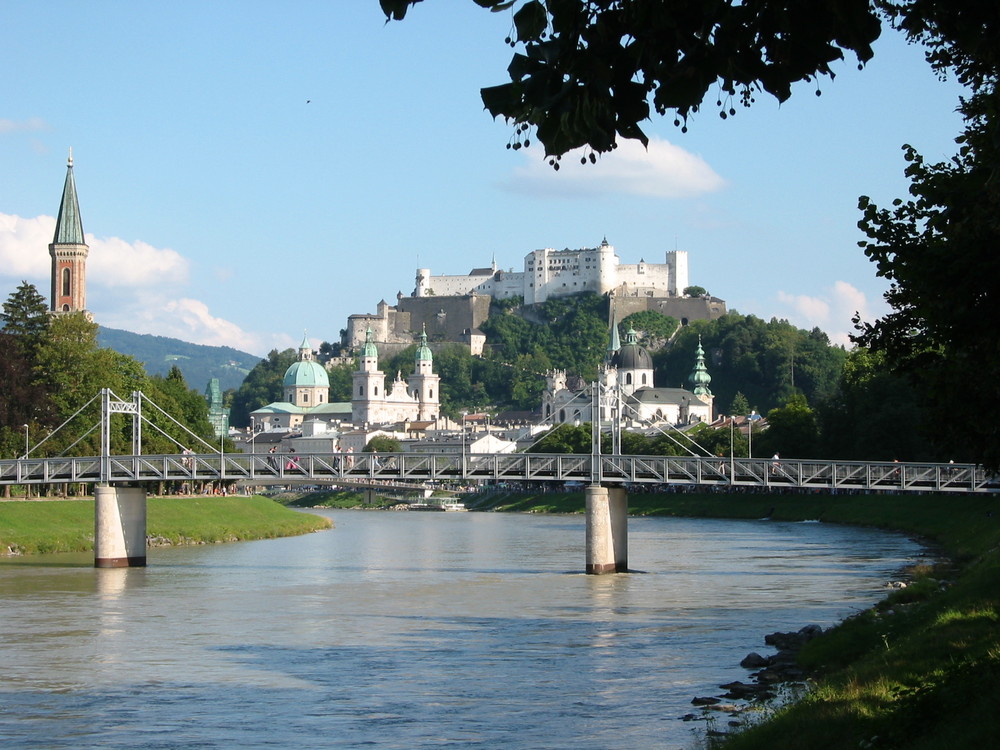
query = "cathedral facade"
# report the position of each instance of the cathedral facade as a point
(414, 399)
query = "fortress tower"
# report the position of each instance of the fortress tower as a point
(69, 252)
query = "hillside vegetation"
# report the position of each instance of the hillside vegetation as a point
(820, 401)
(199, 363)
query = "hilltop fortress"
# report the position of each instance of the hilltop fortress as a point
(451, 308)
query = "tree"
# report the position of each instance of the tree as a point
(739, 406)
(792, 430)
(186, 405)
(652, 326)
(877, 415)
(567, 438)
(262, 385)
(25, 316)
(383, 444)
(592, 70)
(938, 248)
(695, 291)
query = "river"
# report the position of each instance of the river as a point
(416, 630)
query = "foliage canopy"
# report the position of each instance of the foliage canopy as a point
(588, 72)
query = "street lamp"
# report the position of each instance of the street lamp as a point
(464, 414)
(25, 441)
(253, 436)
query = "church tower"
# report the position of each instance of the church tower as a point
(424, 384)
(69, 252)
(699, 379)
(369, 385)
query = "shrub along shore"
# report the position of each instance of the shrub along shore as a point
(35, 527)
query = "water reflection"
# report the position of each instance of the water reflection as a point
(415, 630)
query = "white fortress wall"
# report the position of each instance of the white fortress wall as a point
(678, 260)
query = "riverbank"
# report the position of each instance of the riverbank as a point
(35, 527)
(921, 670)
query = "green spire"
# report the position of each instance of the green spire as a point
(369, 349)
(699, 377)
(69, 225)
(424, 351)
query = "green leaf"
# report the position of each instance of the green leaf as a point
(530, 21)
(501, 100)
(395, 10)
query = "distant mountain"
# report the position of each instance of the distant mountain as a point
(198, 363)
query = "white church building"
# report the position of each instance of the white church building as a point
(628, 372)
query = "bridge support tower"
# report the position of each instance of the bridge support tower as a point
(607, 529)
(119, 527)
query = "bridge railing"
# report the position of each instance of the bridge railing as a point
(532, 467)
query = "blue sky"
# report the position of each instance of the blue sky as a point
(249, 170)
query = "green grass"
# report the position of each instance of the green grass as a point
(36, 527)
(919, 671)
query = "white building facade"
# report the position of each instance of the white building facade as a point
(415, 399)
(628, 378)
(557, 273)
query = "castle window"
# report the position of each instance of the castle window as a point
(65, 282)
(644, 378)
(374, 390)
(305, 398)
(628, 379)
(430, 393)
(361, 390)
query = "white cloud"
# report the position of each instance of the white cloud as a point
(180, 318)
(831, 312)
(24, 246)
(15, 126)
(113, 262)
(661, 171)
(130, 285)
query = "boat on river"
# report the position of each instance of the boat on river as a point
(448, 506)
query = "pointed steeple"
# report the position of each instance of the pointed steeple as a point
(69, 225)
(424, 351)
(69, 251)
(305, 349)
(699, 376)
(369, 349)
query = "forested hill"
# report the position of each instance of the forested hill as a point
(755, 363)
(198, 363)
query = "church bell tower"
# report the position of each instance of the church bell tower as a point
(69, 252)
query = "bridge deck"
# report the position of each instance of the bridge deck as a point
(329, 468)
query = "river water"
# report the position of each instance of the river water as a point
(416, 630)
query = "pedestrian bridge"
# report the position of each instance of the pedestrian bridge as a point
(418, 468)
(120, 497)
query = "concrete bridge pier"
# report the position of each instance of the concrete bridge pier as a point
(119, 527)
(607, 529)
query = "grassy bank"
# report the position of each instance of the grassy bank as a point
(921, 670)
(34, 527)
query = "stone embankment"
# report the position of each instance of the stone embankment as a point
(771, 672)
